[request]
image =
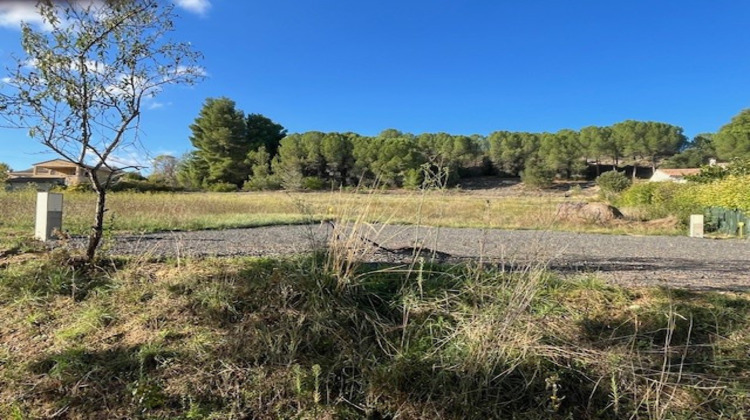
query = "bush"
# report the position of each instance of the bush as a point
(262, 183)
(133, 176)
(712, 173)
(413, 179)
(82, 187)
(662, 199)
(729, 193)
(613, 182)
(313, 183)
(222, 187)
(536, 175)
(140, 186)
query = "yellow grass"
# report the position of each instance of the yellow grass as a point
(148, 212)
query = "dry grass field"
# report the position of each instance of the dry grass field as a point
(509, 208)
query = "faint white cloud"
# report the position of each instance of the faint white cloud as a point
(158, 105)
(126, 158)
(13, 13)
(128, 161)
(128, 86)
(199, 7)
(195, 70)
(31, 63)
(94, 66)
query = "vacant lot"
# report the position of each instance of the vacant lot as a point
(160, 329)
(504, 206)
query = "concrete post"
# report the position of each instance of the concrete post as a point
(48, 214)
(696, 225)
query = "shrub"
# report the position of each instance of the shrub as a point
(708, 174)
(536, 175)
(638, 195)
(413, 179)
(140, 186)
(262, 183)
(613, 182)
(712, 173)
(661, 199)
(82, 187)
(313, 183)
(729, 193)
(222, 187)
(133, 176)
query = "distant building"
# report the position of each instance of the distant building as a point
(48, 174)
(673, 175)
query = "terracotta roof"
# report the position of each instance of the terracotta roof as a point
(681, 172)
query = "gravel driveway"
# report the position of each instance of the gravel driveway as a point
(704, 264)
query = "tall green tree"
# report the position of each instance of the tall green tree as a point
(600, 143)
(733, 139)
(662, 140)
(262, 131)
(261, 178)
(291, 162)
(219, 136)
(336, 149)
(697, 153)
(562, 152)
(630, 135)
(192, 171)
(81, 83)
(510, 151)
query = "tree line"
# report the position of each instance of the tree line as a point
(234, 150)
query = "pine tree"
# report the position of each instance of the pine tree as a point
(220, 137)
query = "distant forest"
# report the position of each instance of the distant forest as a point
(234, 150)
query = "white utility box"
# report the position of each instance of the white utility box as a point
(49, 209)
(696, 225)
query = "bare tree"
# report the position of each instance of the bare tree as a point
(164, 169)
(84, 79)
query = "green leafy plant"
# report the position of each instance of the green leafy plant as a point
(313, 183)
(537, 175)
(738, 167)
(223, 187)
(613, 182)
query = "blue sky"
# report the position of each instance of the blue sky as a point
(462, 67)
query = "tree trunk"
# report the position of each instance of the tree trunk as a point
(98, 228)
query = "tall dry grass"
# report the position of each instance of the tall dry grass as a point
(148, 212)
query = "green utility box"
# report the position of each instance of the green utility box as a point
(727, 221)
